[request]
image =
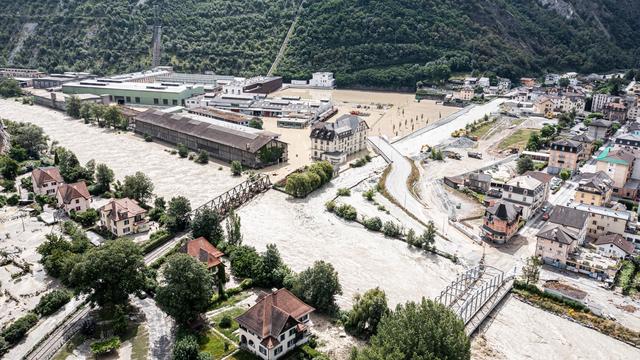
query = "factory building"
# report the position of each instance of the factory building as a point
(158, 94)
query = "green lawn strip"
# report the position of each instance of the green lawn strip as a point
(232, 313)
(243, 355)
(140, 344)
(230, 301)
(215, 344)
(518, 139)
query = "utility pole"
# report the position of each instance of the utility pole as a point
(156, 46)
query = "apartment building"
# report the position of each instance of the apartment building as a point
(526, 192)
(564, 154)
(594, 189)
(335, 141)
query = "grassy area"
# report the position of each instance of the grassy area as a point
(68, 348)
(628, 277)
(243, 355)
(231, 300)
(215, 345)
(517, 140)
(413, 178)
(482, 129)
(232, 313)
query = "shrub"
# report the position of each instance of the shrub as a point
(347, 212)
(105, 346)
(225, 322)
(192, 156)
(148, 138)
(183, 151)
(343, 192)
(392, 229)
(155, 240)
(13, 200)
(86, 218)
(236, 168)
(203, 157)
(4, 346)
(16, 331)
(369, 194)
(52, 301)
(330, 206)
(373, 224)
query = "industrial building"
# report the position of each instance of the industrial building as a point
(56, 80)
(222, 115)
(159, 94)
(223, 141)
(21, 73)
(200, 79)
(146, 76)
(254, 85)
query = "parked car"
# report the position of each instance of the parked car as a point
(545, 216)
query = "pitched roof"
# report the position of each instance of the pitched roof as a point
(558, 233)
(77, 190)
(540, 176)
(524, 182)
(482, 177)
(569, 217)
(344, 126)
(620, 156)
(121, 209)
(46, 174)
(617, 240)
(583, 138)
(202, 250)
(567, 142)
(504, 211)
(599, 180)
(601, 123)
(273, 314)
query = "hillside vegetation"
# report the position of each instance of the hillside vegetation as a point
(375, 43)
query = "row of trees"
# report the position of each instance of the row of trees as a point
(301, 184)
(103, 115)
(9, 88)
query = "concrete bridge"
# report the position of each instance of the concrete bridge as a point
(475, 293)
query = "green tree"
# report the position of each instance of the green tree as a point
(206, 223)
(317, 286)
(73, 106)
(255, 123)
(98, 112)
(28, 136)
(524, 164)
(236, 168)
(187, 348)
(425, 330)
(531, 271)
(8, 168)
(86, 113)
(186, 289)
(104, 177)
(565, 174)
(113, 116)
(69, 166)
(183, 151)
(234, 234)
(110, 273)
(178, 213)
(271, 270)
(367, 311)
(245, 261)
(428, 238)
(534, 142)
(547, 131)
(138, 187)
(10, 88)
(203, 157)
(563, 82)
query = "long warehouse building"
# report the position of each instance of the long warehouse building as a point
(227, 142)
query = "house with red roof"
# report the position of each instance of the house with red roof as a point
(73, 197)
(278, 323)
(45, 180)
(202, 250)
(123, 217)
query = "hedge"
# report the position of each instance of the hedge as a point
(533, 289)
(105, 346)
(52, 301)
(155, 240)
(16, 331)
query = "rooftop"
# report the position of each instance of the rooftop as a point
(172, 88)
(505, 211)
(202, 250)
(600, 210)
(524, 182)
(122, 209)
(558, 233)
(617, 240)
(620, 156)
(46, 174)
(77, 190)
(569, 217)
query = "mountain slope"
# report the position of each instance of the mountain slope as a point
(378, 43)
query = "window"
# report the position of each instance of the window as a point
(278, 350)
(137, 100)
(77, 201)
(126, 230)
(156, 101)
(126, 222)
(128, 99)
(282, 337)
(174, 102)
(291, 343)
(251, 343)
(263, 350)
(165, 102)
(292, 331)
(77, 208)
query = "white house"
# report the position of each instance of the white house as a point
(335, 141)
(123, 217)
(322, 79)
(527, 192)
(278, 323)
(73, 197)
(46, 180)
(614, 246)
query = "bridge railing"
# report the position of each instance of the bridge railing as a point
(460, 286)
(236, 196)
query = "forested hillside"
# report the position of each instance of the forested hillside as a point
(378, 43)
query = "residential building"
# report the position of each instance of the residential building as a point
(158, 94)
(46, 180)
(478, 182)
(525, 191)
(73, 197)
(628, 141)
(202, 250)
(335, 141)
(501, 222)
(544, 105)
(564, 154)
(465, 94)
(594, 189)
(544, 178)
(571, 219)
(528, 82)
(551, 79)
(322, 79)
(223, 141)
(603, 221)
(554, 244)
(614, 246)
(599, 129)
(504, 84)
(278, 323)
(634, 113)
(599, 101)
(616, 111)
(123, 217)
(619, 166)
(484, 82)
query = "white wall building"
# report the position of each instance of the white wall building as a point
(322, 79)
(525, 191)
(46, 180)
(335, 141)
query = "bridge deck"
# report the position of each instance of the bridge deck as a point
(479, 317)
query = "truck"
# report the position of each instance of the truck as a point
(452, 155)
(473, 154)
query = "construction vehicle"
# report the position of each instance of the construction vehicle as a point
(475, 155)
(426, 148)
(452, 155)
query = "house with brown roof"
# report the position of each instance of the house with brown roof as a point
(614, 246)
(554, 244)
(571, 219)
(202, 250)
(278, 323)
(501, 222)
(73, 197)
(123, 217)
(46, 180)
(594, 189)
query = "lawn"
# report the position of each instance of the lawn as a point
(517, 140)
(483, 129)
(215, 345)
(232, 300)
(243, 355)
(232, 313)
